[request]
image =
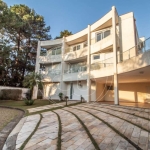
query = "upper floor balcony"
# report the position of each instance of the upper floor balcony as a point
(52, 56)
(76, 52)
(74, 74)
(51, 75)
(102, 41)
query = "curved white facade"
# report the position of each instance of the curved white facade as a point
(93, 62)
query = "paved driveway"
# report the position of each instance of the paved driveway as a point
(86, 126)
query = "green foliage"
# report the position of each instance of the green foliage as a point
(21, 28)
(64, 33)
(10, 94)
(32, 80)
(61, 96)
(29, 102)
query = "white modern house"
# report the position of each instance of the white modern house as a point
(107, 61)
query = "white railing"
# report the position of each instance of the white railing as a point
(50, 58)
(76, 54)
(102, 64)
(76, 70)
(50, 73)
(135, 51)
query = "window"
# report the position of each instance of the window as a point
(99, 36)
(102, 35)
(96, 57)
(74, 48)
(56, 51)
(106, 33)
(78, 47)
(110, 88)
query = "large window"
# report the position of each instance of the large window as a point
(102, 35)
(56, 51)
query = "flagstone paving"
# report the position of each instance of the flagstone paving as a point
(46, 135)
(73, 134)
(132, 118)
(105, 137)
(134, 133)
(32, 110)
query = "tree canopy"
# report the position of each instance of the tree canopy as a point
(64, 33)
(20, 29)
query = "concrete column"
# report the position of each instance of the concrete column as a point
(37, 67)
(116, 95)
(62, 86)
(89, 64)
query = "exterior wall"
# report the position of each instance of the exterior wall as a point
(123, 36)
(24, 90)
(77, 90)
(127, 31)
(131, 92)
(100, 91)
(51, 90)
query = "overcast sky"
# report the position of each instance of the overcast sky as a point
(75, 15)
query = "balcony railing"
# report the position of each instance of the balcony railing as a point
(75, 54)
(135, 51)
(76, 70)
(50, 58)
(102, 64)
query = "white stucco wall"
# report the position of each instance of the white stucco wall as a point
(77, 90)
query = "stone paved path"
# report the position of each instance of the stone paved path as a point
(134, 133)
(32, 110)
(73, 134)
(46, 135)
(105, 137)
(75, 137)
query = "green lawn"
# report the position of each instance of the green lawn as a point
(21, 104)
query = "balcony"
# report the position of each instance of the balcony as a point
(73, 55)
(102, 69)
(51, 76)
(75, 74)
(50, 59)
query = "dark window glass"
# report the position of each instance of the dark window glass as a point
(99, 37)
(96, 56)
(78, 47)
(74, 48)
(106, 33)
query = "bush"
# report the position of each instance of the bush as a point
(29, 102)
(10, 94)
(61, 96)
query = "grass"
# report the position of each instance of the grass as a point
(26, 141)
(118, 132)
(23, 106)
(59, 132)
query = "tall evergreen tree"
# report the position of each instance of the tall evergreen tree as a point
(26, 27)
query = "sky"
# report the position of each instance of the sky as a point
(75, 15)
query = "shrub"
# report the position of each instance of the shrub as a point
(60, 96)
(29, 102)
(10, 94)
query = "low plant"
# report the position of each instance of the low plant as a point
(61, 96)
(28, 101)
